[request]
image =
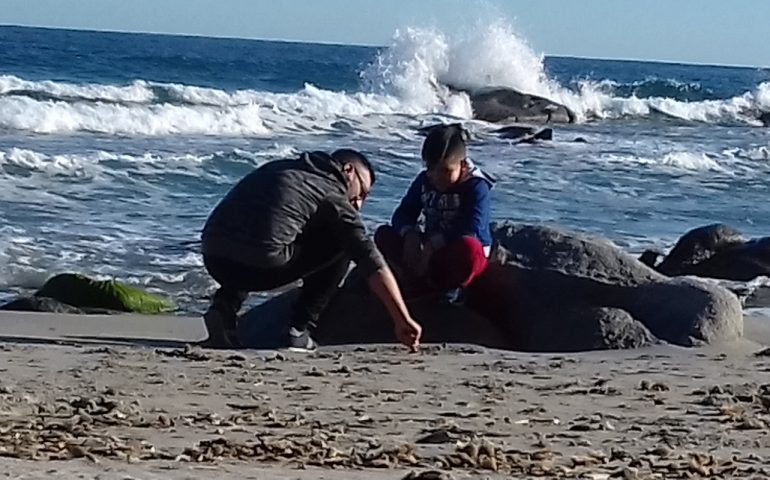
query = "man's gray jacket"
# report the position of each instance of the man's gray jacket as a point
(261, 217)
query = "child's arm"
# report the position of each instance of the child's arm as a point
(408, 211)
(474, 214)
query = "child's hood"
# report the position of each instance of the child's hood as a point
(474, 171)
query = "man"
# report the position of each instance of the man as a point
(290, 220)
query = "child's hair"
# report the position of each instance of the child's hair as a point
(444, 143)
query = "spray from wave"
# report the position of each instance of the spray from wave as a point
(420, 62)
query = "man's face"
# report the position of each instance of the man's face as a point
(360, 183)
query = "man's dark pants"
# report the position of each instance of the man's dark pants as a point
(316, 258)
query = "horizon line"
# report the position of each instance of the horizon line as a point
(366, 45)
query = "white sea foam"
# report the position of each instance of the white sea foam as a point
(51, 165)
(62, 117)
(762, 96)
(681, 160)
(92, 165)
(691, 161)
(409, 77)
(138, 91)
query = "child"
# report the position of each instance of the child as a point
(453, 196)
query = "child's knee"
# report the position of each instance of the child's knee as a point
(459, 262)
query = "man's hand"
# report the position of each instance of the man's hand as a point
(412, 251)
(409, 333)
(384, 285)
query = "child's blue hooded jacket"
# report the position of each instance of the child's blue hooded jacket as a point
(462, 210)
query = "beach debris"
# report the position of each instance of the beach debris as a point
(188, 353)
(448, 433)
(315, 372)
(646, 386)
(427, 475)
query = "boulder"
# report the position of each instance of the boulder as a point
(518, 133)
(85, 295)
(714, 251)
(524, 133)
(355, 316)
(515, 131)
(590, 272)
(40, 304)
(590, 328)
(547, 290)
(502, 104)
(764, 117)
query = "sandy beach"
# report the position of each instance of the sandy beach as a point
(119, 397)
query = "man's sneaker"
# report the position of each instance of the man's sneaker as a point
(220, 336)
(301, 341)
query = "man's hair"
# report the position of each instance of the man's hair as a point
(444, 142)
(348, 155)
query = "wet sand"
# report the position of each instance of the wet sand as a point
(123, 397)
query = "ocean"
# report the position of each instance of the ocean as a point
(114, 147)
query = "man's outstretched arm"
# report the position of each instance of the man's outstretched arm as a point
(362, 250)
(384, 285)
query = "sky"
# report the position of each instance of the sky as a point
(687, 31)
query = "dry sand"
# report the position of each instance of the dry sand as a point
(121, 397)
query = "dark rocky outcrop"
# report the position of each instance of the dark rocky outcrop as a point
(525, 133)
(75, 293)
(585, 271)
(502, 104)
(714, 251)
(40, 304)
(591, 328)
(519, 133)
(546, 290)
(764, 117)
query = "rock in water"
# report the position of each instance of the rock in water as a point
(764, 117)
(497, 104)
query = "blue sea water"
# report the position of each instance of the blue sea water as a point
(114, 147)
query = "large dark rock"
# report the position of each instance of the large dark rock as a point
(519, 133)
(524, 133)
(591, 271)
(355, 316)
(40, 304)
(715, 251)
(498, 104)
(590, 328)
(764, 117)
(546, 290)
(75, 293)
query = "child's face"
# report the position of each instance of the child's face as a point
(445, 174)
